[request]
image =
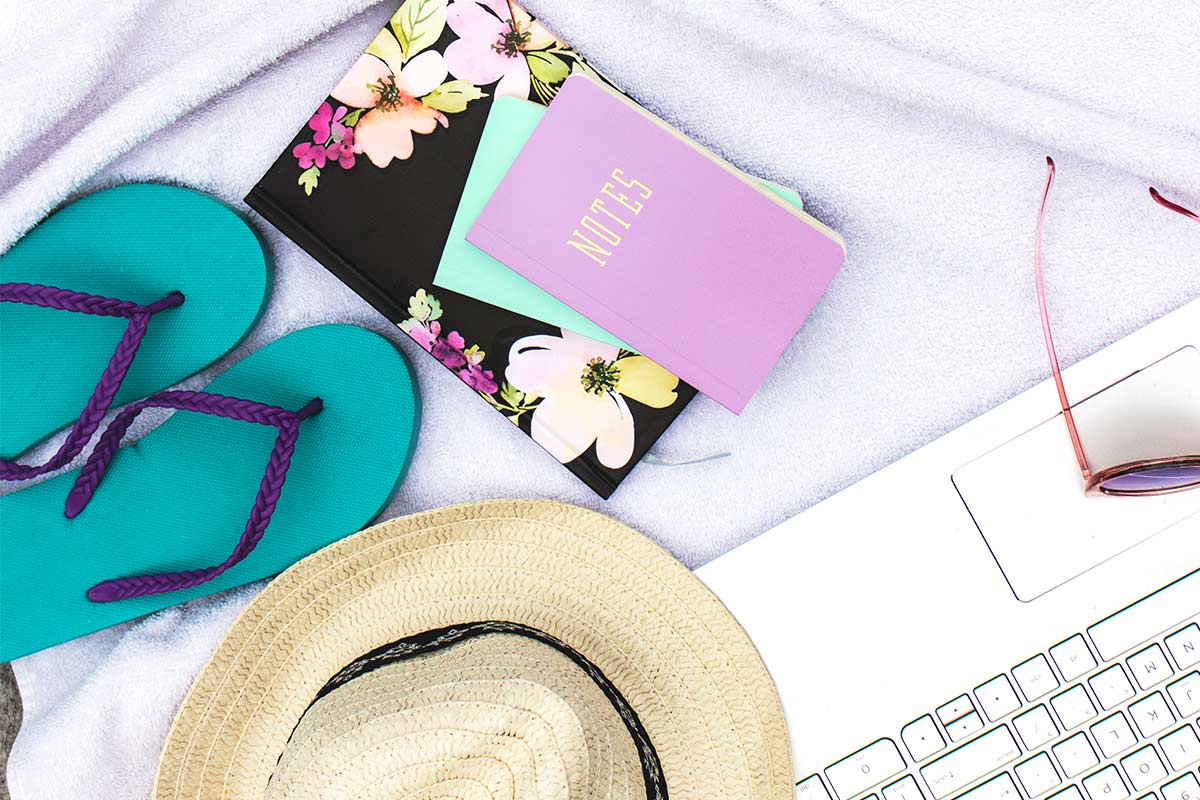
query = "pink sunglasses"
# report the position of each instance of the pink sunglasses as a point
(1145, 477)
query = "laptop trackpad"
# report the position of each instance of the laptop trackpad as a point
(1026, 496)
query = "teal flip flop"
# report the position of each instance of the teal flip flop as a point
(130, 245)
(179, 498)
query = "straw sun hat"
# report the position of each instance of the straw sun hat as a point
(507, 649)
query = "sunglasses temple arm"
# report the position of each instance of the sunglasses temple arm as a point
(1068, 416)
(1165, 203)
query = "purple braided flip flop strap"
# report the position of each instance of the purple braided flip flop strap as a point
(288, 423)
(110, 380)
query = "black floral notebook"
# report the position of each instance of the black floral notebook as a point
(370, 185)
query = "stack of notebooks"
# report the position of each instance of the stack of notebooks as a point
(573, 262)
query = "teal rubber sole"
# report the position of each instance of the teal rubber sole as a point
(179, 498)
(137, 243)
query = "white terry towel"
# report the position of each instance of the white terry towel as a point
(917, 130)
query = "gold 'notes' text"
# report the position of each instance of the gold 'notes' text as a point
(610, 217)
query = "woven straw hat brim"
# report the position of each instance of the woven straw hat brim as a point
(665, 642)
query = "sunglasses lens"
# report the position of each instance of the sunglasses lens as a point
(1154, 480)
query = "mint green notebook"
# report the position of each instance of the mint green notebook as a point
(468, 270)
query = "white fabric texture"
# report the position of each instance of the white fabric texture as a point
(917, 130)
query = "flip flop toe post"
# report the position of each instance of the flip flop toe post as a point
(113, 297)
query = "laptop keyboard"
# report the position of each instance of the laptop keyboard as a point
(1110, 713)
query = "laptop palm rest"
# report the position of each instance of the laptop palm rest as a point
(1026, 496)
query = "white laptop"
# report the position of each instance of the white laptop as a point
(967, 623)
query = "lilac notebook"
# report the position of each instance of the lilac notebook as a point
(658, 241)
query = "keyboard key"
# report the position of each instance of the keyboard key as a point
(1185, 646)
(963, 727)
(1144, 768)
(1151, 796)
(1070, 793)
(1181, 747)
(1035, 678)
(1146, 618)
(997, 698)
(1150, 666)
(1105, 785)
(969, 763)
(1111, 686)
(1073, 707)
(1186, 694)
(922, 738)
(1151, 715)
(1186, 788)
(1000, 787)
(1114, 735)
(1075, 755)
(958, 707)
(860, 771)
(1037, 775)
(904, 789)
(1035, 727)
(1073, 657)
(811, 788)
